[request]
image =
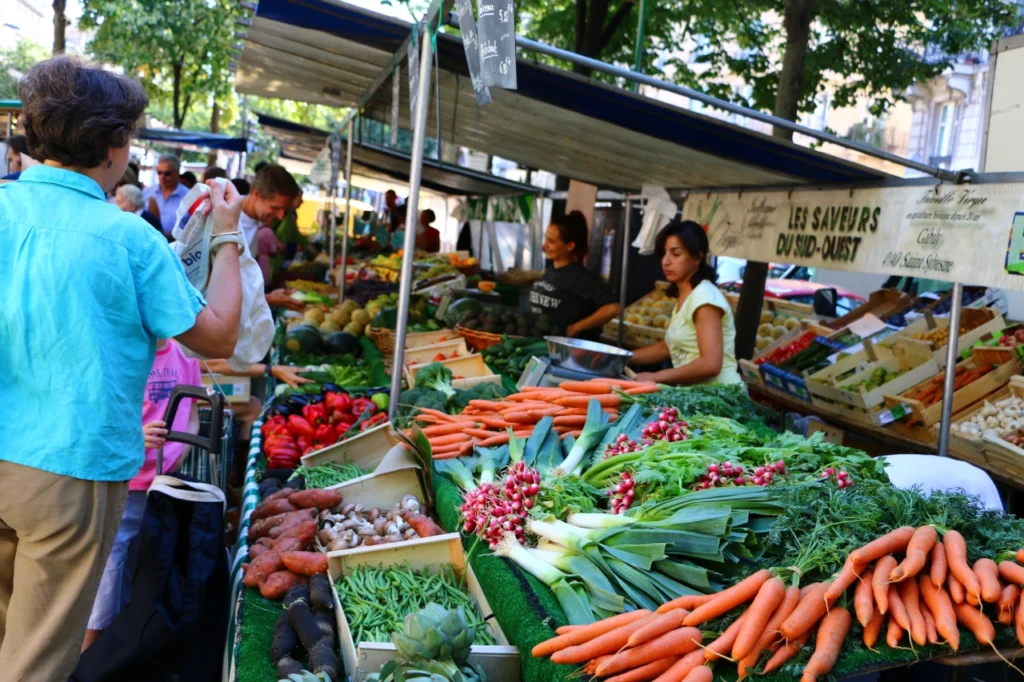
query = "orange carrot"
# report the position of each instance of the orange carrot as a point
(574, 433)
(723, 644)
(437, 441)
(681, 668)
(701, 673)
(497, 439)
(657, 626)
(808, 612)
(599, 387)
(493, 422)
(606, 400)
(485, 404)
(479, 433)
(847, 576)
(1011, 572)
(977, 622)
(757, 614)
(1008, 603)
(921, 543)
(519, 418)
(912, 603)
(770, 632)
(890, 543)
(931, 633)
(573, 420)
(831, 633)
(956, 590)
(872, 629)
(880, 582)
(447, 429)
(674, 643)
(938, 568)
(956, 558)
(591, 667)
(898, 610)
(567, 628)
(646, 672)
(608, 643)
(1018, 622)
(728, 599)
(988, 577)
(539, 413)
(941, 607)
(864, 599)
(687, 601)
(1019, 557)
(641, 390)
(463, 450)
(589, 632)
(438, 414)
(894, 633)
(785, 652)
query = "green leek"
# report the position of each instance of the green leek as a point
(577, 609)
(593, 432)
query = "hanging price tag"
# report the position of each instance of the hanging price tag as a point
(471, 46)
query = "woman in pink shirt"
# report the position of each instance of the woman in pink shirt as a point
(171, 367)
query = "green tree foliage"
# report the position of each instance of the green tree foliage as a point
(178, 50)
(15, 61)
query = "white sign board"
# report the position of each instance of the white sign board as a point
(973, 234)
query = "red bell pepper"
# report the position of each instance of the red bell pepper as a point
(346, 418)
(361, 405)
(326, 435)
(340, 430)
(338, 402)
(315, 415)
(272, 425)
(303, 443)
(299, 427)
(373, 421)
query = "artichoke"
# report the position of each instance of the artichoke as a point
(306, 676)
(434, 648)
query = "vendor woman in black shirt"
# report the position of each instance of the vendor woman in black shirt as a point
(573, 297)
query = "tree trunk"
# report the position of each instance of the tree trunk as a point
(176, 95)
(60, 23)
(211, 157)
(797, 23)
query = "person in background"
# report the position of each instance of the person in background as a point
(171, 367)
(390, 217)
(214, 172)
(569, 293)
(75, 369)
(188, 178)
(701, 337)
(428, 238)
(168, 191)
(259, 166)
(289, 236)
(16, 146)
(129, 199)
(267, 247)
(397, 238)
(241, 184)
(465, 241)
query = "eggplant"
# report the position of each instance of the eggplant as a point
(320, 592)
(297, 593)
(305, 625)
(285, 640)
(322, 659)
(282, 410)
(297, 402)
(289, 666)
(328, 387)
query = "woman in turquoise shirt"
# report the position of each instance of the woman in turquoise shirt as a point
(88, 289)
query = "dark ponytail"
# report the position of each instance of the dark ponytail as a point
(572, 228)
(695, 241)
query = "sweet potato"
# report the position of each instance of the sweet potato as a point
(261, 529)
(280, 493)
(304, 532)
(291, 520)
(305, 563)
(289, 545)
(256, 550)
(278, 583)
(317, 498)
(279, 506)
(423, 525)
(261, 567)
(266, 541)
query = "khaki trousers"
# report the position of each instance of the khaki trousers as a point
(55, 535)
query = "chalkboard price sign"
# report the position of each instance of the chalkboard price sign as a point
(471, 46)
(497, 37)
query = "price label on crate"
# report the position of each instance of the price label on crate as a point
(894, 413)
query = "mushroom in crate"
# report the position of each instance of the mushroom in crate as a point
(354, 525)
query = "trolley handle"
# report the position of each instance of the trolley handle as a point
(216, 400)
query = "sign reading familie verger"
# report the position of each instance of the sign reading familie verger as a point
(973, 234)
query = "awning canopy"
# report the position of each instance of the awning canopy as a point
(195, 139)
(329, 52)
(303, 143)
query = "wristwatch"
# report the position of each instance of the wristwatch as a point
(228, 238)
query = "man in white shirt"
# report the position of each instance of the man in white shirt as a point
(168, 192)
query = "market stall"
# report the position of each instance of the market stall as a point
(561, 492)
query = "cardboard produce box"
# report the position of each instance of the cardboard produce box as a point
(366, 450)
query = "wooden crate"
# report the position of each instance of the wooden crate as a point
(965, 397)
(500, 661)
(1004, 459)
(973, 449)
(367, 450)
(426, 354)
(916, 363)
(468, 367)
(880, 303)
(823, 384)
(751, 371)
(979, 322)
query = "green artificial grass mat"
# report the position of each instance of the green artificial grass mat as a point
(257, 627)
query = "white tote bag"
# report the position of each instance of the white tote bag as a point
(192, 232)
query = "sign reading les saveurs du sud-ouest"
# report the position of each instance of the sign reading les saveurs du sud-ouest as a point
(973, 234)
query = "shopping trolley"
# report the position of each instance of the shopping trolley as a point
(202, 464)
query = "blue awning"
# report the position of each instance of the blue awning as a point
(303, 143)
(193, 139)
(329, 52)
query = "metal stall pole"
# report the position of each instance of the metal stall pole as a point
(411, 212)
(950, 377)
(624, 272)
(332, 232)
(348, 209)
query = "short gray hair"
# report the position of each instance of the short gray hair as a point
(131, 195)
(171, 159)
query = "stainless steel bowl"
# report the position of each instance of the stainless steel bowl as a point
(587, 356)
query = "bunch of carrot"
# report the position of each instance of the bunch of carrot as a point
(487, 422)
(932, 392)
(929, 594)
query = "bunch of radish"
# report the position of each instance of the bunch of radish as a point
(491, 511)
(906, 583)
(666, 426)
(623, 493)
